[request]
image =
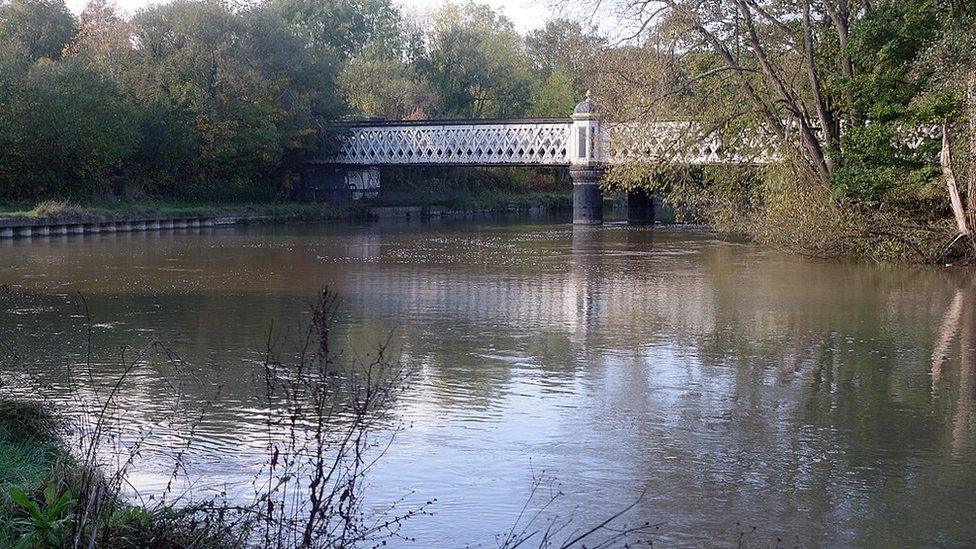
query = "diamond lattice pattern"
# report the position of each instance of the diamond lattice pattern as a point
(547, 144)
(683, 142)
(534, 144)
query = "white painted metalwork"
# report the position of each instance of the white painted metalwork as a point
(683, 142)
(581, 142)
(516, 143)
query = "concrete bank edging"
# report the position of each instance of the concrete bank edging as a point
(20, 227)
(26, 227)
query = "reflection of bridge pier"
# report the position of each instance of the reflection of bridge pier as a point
(583, 295)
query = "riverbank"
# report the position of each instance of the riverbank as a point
(52, 218)
(48, 497)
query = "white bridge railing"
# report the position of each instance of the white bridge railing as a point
(539, 143)
(543, 142)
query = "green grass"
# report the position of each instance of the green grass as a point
(25, 462)
(57, 209)
(30, 451)
(35, 463)
(283, 211)
(29, 443)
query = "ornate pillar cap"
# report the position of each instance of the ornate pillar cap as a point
(585, 109)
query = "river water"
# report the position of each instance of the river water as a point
(747, 394)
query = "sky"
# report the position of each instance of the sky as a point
(526, 14)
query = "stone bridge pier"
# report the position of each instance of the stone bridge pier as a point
(589, 155)
(586, 164)
(587, 196)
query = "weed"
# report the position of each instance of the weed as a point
(48, 520)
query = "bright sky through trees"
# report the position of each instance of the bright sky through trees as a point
(526, 14)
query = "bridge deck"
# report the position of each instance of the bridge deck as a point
(533, 143)
(536, 142)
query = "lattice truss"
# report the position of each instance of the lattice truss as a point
(683, 142)
(529, 143)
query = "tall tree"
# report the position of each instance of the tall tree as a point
(104, 38)
(250, 86)
(67, 133)
(42, 28)
(564, 46)
(345, 27)
(477, 62)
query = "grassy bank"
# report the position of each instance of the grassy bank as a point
(292, 211)
(50, 499)
(35, 468)
(108, 210)
(29, 448)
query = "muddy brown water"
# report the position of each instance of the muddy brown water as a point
(748, 394)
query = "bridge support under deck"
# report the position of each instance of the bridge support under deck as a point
(640, 207)
(587, 197)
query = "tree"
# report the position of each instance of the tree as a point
(842, 87)
(951, 62)
(67, 132)
(476, 61)
(565, 47)
(556, 95)
(913, 63)
(251, 88)
(387, 88)
(345, 28)
(104, 38)
(42, 28)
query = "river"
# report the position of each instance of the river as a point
(746, 393)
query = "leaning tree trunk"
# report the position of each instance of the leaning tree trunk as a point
(971, 179)
(945, 159)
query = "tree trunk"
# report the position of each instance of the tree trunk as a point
(808, 137)
(945, 159)
(840, 17)
(824, 116)
(971, 179)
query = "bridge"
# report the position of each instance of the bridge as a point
(581, 142)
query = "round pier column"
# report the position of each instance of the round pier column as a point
(640, 208)
(587, 198)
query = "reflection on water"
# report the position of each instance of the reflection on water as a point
(821, 403)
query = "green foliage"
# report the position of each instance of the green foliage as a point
(387, 88)
(565, 50)
(208, 100)
(554, 96)
(26, 449)
(67, 132)
(243, 82)
(878, 164)
(22, 420)
(345, 28)
(476, 61)
(47, 521)
(39, 28)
